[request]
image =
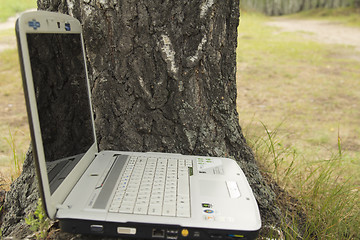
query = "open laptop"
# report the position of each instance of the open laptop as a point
(123, 194)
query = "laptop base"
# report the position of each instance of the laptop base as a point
(150, 231)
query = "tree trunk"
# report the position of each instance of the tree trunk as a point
(357, 3)
(162, 79)
(20, 201)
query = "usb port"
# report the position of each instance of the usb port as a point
(97, 228)
(172, 234)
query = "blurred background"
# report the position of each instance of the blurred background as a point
(14, 130)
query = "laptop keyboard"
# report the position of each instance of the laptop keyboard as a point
(154, 186)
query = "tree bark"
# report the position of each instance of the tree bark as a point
(162, 79)
(20, 201)
(357, 3)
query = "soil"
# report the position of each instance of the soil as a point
(327, 32)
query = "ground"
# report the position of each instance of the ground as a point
(328, 32)
(300, 77)
(298, 103)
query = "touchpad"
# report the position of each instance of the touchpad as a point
(213, 188)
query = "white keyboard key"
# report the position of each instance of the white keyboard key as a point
(181, 163)
(140, 209)
(183, 186)
(169, 210)
(185, 202)
(113, 209)
(170, 201)
(158, 198)
(145, 197)
(183, 198)
(155, 209)
(155, 187)
(183, 212)
(130, 195)
(115, 203)
(144, 193)
(183, 205)
(126, 208)
(156, 201)
(128, 201)
(188, 163)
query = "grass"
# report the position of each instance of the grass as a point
(297, 101)
(10, 7)
(329, 202)
(14, 131)
(283, 78)
(38, 222)
(17, 157)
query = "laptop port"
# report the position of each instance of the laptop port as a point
(158, 233)
(216, 236)
(235, 236)
(172, 234)
(96, 228)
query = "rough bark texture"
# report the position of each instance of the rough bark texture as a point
(282, 7)
(163, 79)
(20, 201)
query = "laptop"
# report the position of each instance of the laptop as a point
(116, 193)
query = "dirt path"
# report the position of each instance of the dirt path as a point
(8, 41)
(321, 31)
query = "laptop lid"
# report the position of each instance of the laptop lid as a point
(57, 95)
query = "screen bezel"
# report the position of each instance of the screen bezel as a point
(48, 24)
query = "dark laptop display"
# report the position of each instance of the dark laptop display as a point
(61, 95)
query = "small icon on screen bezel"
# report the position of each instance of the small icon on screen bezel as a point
(67, 27)
(34, 24)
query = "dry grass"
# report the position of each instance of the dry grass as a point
(10, 7)
(298, 102)
(14, 130)
(349, 16)
(311, 89)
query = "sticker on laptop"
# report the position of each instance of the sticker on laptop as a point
(210, 166)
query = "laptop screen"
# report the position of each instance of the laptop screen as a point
(61, 90)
